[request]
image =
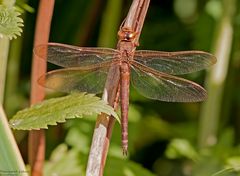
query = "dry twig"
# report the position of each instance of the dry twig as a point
(104, 124)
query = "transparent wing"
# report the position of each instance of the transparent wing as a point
(175, 63)
(160, 86)
(73, 56)
(76, 79)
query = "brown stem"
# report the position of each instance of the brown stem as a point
(104, 124)
(111, 123)
(37, 138)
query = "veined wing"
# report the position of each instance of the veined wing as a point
(77, 79)
(175, 63)
(73, 56)
(164, 87)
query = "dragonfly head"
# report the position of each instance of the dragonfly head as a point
(126, 34)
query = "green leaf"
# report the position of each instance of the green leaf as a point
(10, 22)
(11, 159)
(234, 162)
(122, 167)
(23, 6)
(64, 161)
(54, 110)
(226, 172)
(181, 148)
(214, 8)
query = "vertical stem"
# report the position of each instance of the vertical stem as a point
(12, 75)
(4, 48)
(107, 38)
(215, 81)
(11, 160)
(100, 140)
(37, 138)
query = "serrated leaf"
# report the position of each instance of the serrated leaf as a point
(54, 110)
(10, 22)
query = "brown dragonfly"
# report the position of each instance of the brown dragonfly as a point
(151, 72)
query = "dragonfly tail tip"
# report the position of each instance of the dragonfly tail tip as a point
(125, 151)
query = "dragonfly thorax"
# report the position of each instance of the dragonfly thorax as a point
(126, 56)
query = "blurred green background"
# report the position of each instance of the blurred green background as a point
(168, 139)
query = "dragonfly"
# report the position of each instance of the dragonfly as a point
(151, 73)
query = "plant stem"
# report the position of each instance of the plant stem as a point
(37, 138)
(215, 81)
(12, 76)
(4, 47)
(104, 124)
(11, 160)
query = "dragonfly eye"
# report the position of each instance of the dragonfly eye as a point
(129, 36)
(126, 34)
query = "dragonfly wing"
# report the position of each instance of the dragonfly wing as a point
(165, 87)
(73, 56)
(175, 63)
(76, 80)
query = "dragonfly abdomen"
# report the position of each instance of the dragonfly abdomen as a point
(124, 93)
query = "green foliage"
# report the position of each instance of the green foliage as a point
(214, 8)
(11, 159)
(226, 172)
(54, 110)
(233, 162)
(162, 136)
(221, 160)
(64, 161)
(119, 167)
(22, 6)
(10, 22)
(181, 148)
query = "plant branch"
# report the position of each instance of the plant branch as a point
(4, 48)
(104, 124)
(12, 81)
(37, 138)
